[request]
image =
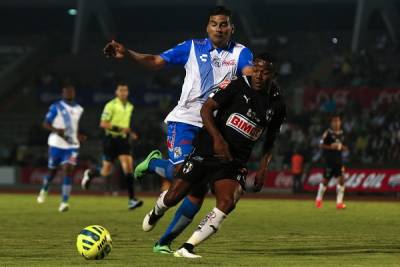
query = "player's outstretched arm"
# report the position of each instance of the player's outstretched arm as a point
(117, 50)
(221, 147)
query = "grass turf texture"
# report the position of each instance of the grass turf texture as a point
(257, 233)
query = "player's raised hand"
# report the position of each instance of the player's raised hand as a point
(114, 49)
(221, 150)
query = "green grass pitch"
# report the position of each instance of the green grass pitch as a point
(258, 233)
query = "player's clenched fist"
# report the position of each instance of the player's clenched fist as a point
(114, 49)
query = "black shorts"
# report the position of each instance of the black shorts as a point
(199, 171)
(333, 170)
(114, 147)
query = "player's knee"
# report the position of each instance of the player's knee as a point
(172, 198)
(226, 205)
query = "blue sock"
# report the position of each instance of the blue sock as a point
(182, 219)
(66, 188)
(162, 167)
(46, 182)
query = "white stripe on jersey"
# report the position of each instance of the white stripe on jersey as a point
(67, 118)
(204, 70)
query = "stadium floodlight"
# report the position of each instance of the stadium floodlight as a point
(72, 12)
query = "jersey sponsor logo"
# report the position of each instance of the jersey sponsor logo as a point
(244, 126)
(203, 57)
(231, 62)
(218, 62)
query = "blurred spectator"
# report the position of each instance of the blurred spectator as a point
(297, 165)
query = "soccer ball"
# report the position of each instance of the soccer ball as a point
(94, 242)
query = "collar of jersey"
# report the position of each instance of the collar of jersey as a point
(122, 103)
(71, 104)
(229, 48)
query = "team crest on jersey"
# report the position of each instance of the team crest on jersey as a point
(252, 114)
(188, 167)
(269, 114)
(177, 152)
(244, 126)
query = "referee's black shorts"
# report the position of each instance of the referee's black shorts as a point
(115, 146)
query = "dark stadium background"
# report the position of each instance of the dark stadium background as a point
(335, 56)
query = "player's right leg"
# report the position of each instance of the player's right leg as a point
(340, 188)
(53, 161)
(323, 185)
(178, 190)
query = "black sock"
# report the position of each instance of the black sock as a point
(188, 247)
(130, 185)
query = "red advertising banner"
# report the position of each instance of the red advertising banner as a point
(274, 179)
(359, 180)
(366, 97)
(35, 176)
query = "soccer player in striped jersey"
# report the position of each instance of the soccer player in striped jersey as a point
(209, 63)
(62, 121)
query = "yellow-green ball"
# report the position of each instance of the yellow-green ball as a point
(94, 242)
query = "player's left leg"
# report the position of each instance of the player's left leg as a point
(227, 192)
(340, 188)
(127, 167)
(328, 174)
(180, 145)
(66, 186)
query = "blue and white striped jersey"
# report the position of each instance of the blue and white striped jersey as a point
(206, 67)
(64, 116)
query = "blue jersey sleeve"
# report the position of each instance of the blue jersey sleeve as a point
(51, 114)
(179, 54)
(245, 59)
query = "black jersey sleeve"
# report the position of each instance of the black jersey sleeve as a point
(224, 95)
(325, 139)
(274, 127)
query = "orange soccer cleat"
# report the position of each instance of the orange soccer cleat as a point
(340, 206)
(318, 204)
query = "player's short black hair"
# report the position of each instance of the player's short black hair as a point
(220, 10)
(67, 84)
(269, 58)
(334, 115)
(122, 83)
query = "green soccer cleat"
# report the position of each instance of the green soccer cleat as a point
(143, 166)
(162, 249)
